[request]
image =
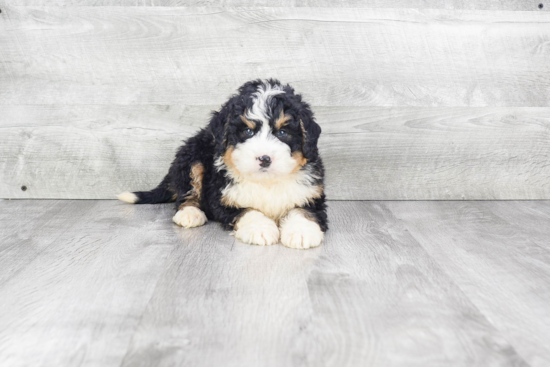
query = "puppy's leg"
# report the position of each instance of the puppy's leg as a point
(189, 217)
(255, 228)
(299, 229)
(189, 213)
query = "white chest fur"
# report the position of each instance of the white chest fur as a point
(273, 198)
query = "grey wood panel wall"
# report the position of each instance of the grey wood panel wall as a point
(414, 104)
(336, 57)
(371, 152)
(420, 4)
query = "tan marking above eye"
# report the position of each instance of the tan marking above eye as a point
(248, 123)
(282, 120)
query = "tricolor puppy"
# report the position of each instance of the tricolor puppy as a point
(255, 169)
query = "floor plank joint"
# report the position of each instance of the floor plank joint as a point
(396, 283)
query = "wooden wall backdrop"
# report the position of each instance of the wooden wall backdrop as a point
(423, 100)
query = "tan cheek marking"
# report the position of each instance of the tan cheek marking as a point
(228, 159)
(281, 121)
(300, 160)
(194, 195)
(248, 123)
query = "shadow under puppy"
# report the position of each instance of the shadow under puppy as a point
(255, 169)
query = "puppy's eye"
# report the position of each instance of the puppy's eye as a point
(281, 133)
(249, 132)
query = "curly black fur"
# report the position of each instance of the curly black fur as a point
(222, 132)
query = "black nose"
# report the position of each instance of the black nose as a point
(265, 161)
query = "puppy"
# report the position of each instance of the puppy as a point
(255, 169)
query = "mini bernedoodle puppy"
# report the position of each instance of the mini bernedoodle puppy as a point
(255, 169)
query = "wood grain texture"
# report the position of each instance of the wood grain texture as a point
(496, 262)
(222, 302)
(334, 56)
(532, 218)
(370, 153)
(86, 272)
(370, 262)
(83, 152)
(21, 221)
(420, 4)
(369, 296)
(425, 284)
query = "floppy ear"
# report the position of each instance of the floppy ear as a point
(218, 126)
(310, 134)
(217, 129)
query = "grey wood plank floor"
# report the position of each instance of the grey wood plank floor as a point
(448, 283)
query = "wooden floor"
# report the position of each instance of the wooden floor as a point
(102, 283)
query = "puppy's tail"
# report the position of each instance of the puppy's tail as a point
(160, 194)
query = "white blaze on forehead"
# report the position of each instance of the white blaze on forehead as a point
(260, 109)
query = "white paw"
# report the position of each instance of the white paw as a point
(299, 232)
(190, 217)
(257, 229)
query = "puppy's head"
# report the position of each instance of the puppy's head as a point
(265, 132)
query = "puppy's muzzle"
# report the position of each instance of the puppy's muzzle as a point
(265, 161)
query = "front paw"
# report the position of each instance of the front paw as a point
(189, 217)
(257, 229)
(299, 232)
